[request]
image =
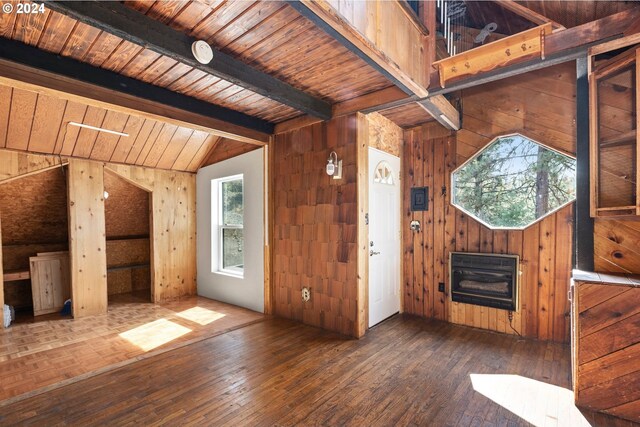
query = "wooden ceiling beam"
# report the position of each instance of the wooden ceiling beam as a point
(130, 25)
(528, 14)
(33, 69)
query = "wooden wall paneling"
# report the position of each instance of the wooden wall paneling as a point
(87, 243)
(408, 235)
(45, 132)
(5, 108)
(106, 143)
(450, 234)
(530, 283)
(563, 267)
(172, 227)
(316, 225)
(473, 314)
(405, 45)
(85, 142)
(190, 149)
(67, 135)
(435, 242)
(429, 224)
(419, 287)
(458, 310)
(546, 276)
(617, 245)
(515, 241)
(607, 347)
(23, 105)
(175, 147)
(226, 149)
(133, 127)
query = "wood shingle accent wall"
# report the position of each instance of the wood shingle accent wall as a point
(607, 329)
(315, 225)
(540, 105)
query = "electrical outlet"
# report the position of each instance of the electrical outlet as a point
(306, 294)
(441, 287)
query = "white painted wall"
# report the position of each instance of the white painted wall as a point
(247, 291)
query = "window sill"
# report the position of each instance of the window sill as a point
(229, 273)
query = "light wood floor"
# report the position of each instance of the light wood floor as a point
(46, 352)
(406, 371)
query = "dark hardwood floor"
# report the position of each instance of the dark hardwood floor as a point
(406, 371)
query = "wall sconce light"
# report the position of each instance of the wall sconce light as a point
(105, 194)
(334, 166)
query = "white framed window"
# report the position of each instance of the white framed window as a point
(230, 219)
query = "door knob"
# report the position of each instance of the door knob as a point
(372, 252)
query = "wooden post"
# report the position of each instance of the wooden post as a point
(583, 236)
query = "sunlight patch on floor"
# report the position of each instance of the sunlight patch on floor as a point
(200, 315)
(154, 334)
(536, 402)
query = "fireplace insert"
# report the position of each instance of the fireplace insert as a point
(490, 280)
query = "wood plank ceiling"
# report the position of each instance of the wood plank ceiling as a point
(39, 123)
(270, 36)
(571, 13)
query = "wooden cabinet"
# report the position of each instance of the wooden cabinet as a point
(50, 283)
(615, 175)
(606, 343)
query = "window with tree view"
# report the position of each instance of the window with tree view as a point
(514, 182)
(231, 215)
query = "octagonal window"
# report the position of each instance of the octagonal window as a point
(514, 182)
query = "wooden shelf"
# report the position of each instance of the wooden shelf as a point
(14, 276)
(128, 267)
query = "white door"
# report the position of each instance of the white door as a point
(384, 236)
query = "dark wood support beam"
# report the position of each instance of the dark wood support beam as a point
(117, 19)
(34, 69)
(442, 110)
(583, 234)
(365, 104)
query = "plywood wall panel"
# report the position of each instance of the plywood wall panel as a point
(34, 209)
(126, 208)
(87, 243)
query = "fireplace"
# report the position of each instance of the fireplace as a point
(490, 280)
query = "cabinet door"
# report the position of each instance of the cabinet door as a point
(47, 285)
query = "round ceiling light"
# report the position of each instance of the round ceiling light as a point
(202, 51)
